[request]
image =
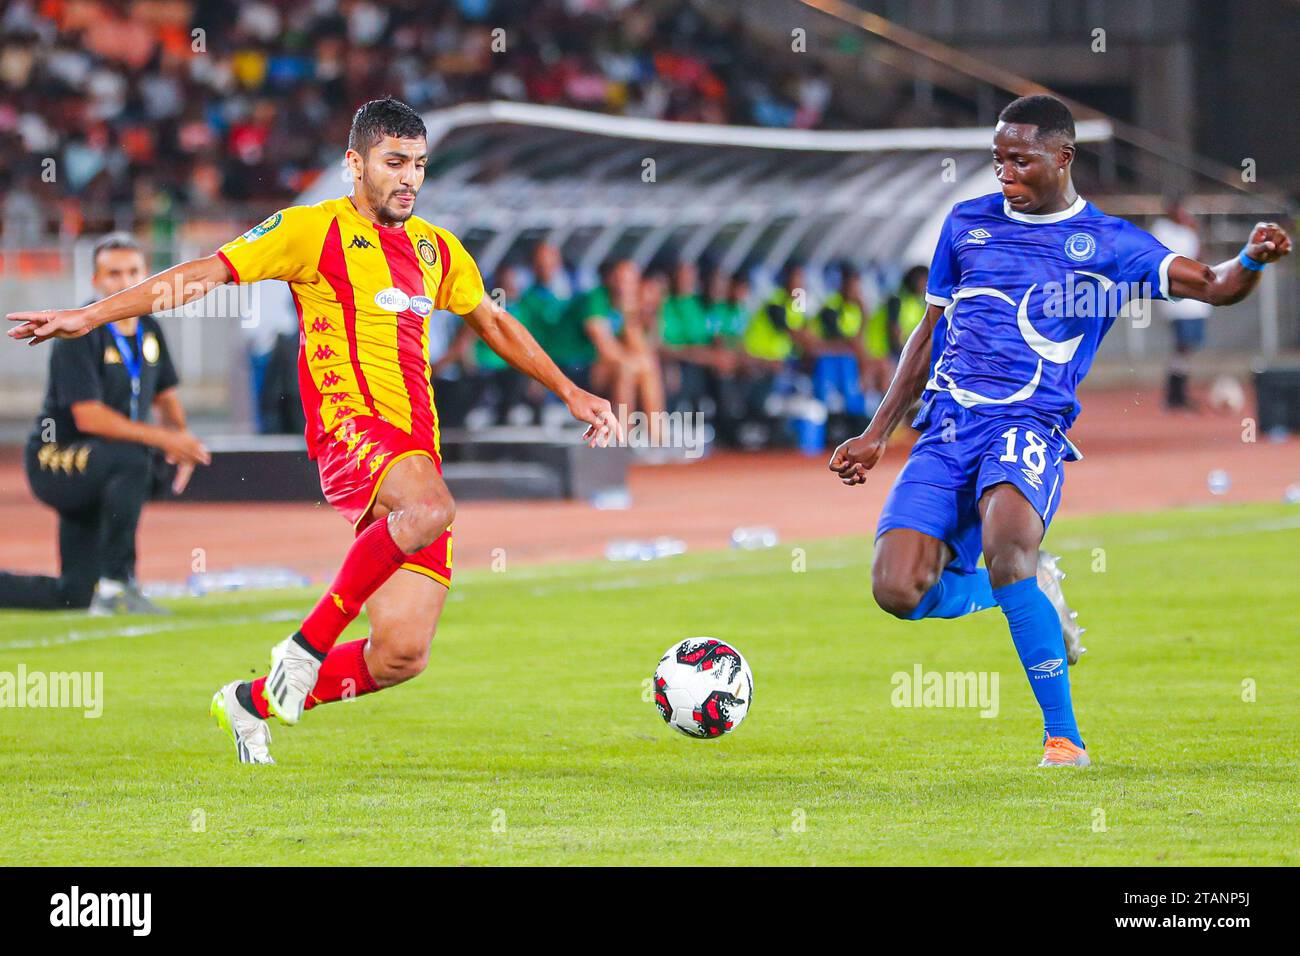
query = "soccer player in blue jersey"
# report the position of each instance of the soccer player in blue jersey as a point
(1023, 286)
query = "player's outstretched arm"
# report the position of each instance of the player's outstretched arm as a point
(168, 289)
(853, 459)
(1230, 281)
(505, 335)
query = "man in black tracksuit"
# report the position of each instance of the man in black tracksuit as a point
(95, 457)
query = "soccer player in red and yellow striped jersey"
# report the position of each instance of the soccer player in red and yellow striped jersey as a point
(366, 275)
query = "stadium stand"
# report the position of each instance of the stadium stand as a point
(654, 132)
(179, 107)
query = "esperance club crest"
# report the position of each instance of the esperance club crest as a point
(1080, 247)
(428, 254)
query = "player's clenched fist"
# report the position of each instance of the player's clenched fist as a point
(857, 456)
(1268, 242)
(50, 324)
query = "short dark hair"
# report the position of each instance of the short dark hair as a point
(114, 240)
(915, 275)
(788, 270)
(1049, 114)
(379, 118)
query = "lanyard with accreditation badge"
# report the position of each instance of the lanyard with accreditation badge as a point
(132, 360)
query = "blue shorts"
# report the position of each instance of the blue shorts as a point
(1189, 334)
(961, 453)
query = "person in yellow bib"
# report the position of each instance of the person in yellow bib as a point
(900, 313)
(855, 362)
(779, 329)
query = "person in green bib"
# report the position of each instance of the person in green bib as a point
(742, 381)
(687, 350)
(620, 340)
(493, 393)
(493, 385)
(544, 310)
(727, 311)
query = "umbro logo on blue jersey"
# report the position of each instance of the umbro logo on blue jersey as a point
(1047, 667)
(978, 236)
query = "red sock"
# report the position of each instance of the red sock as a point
(343, 674)
(372, 560)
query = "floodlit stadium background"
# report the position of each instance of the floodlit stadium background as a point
(776, 131)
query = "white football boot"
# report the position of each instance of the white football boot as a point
(293, 675)
(1050, 577)
(250, 734)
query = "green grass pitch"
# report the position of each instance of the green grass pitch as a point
(531, 738)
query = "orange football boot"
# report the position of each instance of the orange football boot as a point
(1060, 752)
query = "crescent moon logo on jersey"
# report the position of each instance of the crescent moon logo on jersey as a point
(1080, 247)
(965, 397)
(1058, 352)
(427, 253)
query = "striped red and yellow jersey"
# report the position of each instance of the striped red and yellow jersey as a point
(364, 293)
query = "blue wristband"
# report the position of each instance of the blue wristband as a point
(1254, 265)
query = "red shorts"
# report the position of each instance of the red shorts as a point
(354, 461)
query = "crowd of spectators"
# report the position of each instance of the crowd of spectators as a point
(764, 371)
(144, 113)
(150, 110)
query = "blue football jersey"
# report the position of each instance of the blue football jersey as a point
(1028, 298)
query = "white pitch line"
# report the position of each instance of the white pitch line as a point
(651, 579)
(144, 630)
(683, 577)
(1164, 536)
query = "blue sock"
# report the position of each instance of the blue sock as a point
(1036, 631)
(955, 594)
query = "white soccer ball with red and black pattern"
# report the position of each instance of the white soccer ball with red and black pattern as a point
(703, 687)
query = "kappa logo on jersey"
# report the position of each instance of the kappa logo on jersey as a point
(1048, 668)
(421, 305)
(263, 227)
(428, 254)
(360, 243)
(392, 300)
(1080, 247)
(978, 237)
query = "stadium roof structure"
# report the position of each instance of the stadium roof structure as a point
(503, 175)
